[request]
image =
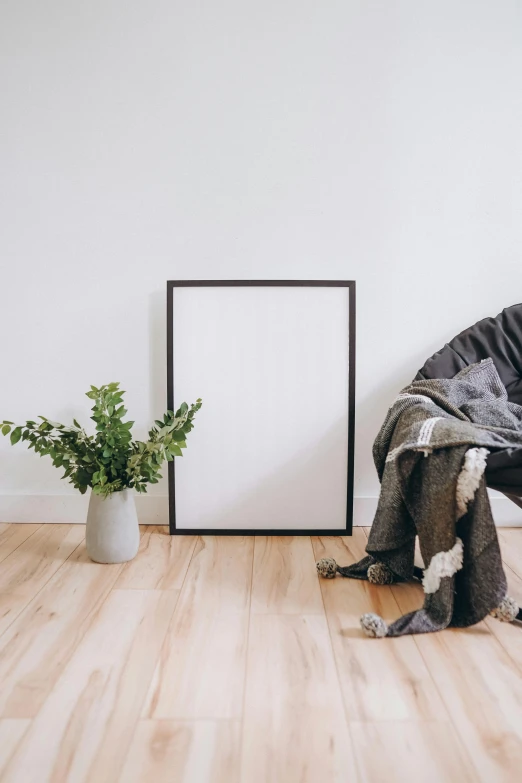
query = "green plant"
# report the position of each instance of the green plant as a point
(110, 460)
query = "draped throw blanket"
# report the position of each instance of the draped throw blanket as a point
(431, 454)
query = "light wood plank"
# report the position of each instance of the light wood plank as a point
(26, 570)
(510, 634)
(161, 563)
(83, 731)
(381, 679)
(201, 670)
(284, 579)
(11, 536)
(87, 665)
(481, 688)
(40, 641)
(295, 729)
(11, 733)
(193, 752)
(510, 540)
(396, 752)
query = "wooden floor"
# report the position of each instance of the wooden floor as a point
(227, 660)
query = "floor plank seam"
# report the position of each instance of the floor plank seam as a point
(245, 676)
(517, 662)
(20, 544)
(357, 766)
(449, 703)
(35, 596)
(447, 711)
(170, 623)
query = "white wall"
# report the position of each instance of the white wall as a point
(380, 141)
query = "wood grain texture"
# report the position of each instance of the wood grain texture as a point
(41, 640)
(11, 733)
(26, 570)
(11, 536)
(185, 752)
(83, 730)
(285, 579)
(112, 673)
(379, 681)
(295, 728)
(403, 751)
(481, 688)
(511, 547)
(201, 669)
(162, 561)
(510, 634)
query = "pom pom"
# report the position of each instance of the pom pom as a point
(380, 574)
(507, 611)
(327, 567)
(373, 625)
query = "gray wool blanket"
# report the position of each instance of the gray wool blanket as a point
(430, 455)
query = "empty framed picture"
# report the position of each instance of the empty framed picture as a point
(272, 447)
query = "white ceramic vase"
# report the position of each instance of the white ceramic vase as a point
(112, 534)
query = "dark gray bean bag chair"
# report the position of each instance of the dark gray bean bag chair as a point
(501, 339)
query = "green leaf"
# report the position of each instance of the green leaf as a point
(76, 424)
(175, 449)
(16, 435)
(6, 429)
(82, 477)
(110, 410)
(127, 425)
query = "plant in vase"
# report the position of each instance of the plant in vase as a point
(110, 462)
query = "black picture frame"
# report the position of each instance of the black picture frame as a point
(350, 285)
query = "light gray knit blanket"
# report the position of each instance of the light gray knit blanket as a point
(430, 455)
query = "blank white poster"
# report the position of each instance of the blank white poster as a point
(269, 449)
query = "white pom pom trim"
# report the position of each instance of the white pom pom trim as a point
(373, 625)
(507, 611)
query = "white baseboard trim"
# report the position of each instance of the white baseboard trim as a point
(505, 512)
(153, 509)
(72, 509)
